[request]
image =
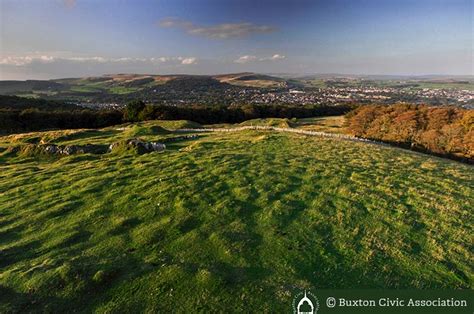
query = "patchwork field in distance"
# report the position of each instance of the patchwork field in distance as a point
(222, 221)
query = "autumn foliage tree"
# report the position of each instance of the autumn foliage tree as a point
(440, 130)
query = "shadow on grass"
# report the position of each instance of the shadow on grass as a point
(235, 275)
(10, 235)
(87, 134)
(12, 301)
(18, 253)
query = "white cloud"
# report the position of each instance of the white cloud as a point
(40, 65)
(85, 59)
(245, 59)
(248, 58)
(26, 60)
(174, 22)
(188, 61)
(218, 31)
(160, 59)
(44, 59)
(17, 61)
(277, 57)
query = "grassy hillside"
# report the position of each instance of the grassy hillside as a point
(123, 84)
(225, 221)
(332, 124)
(252, 80)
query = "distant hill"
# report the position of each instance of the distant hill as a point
(20, 103)
(142, 80)
(29, 85)
(120, 87)
(250, 79)
(333, 76)
(194, 83)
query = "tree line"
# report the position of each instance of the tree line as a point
(444, 131)
(138, 111)
(22, 114)
(33, 119)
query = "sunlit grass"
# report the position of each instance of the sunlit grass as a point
(230, 220)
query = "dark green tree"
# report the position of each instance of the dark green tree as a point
(132, 110)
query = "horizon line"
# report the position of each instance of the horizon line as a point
(293, 75)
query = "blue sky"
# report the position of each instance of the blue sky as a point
(70, 38)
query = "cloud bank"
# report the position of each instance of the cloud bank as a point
(45, 59)
(249, 58)
(218, 31)
(245, 59)
(59, 64)
(53, 66)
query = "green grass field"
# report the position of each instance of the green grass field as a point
(435, 85)
(238, 221)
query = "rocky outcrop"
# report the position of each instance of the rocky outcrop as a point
(73, 149)
(180, 138)
(138, 145)
(52, 149)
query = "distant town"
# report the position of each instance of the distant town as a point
(114, 91)
(329, 95)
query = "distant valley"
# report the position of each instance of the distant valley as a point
(247, 88)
